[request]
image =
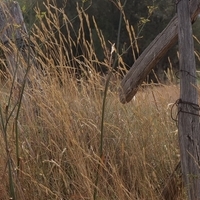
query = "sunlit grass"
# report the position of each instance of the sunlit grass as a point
(60, 122)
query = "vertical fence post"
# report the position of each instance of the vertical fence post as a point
(188, 109)
(15, 40)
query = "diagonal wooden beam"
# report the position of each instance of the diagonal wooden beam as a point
(152, 54)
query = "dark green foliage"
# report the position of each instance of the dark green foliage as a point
(148, 17)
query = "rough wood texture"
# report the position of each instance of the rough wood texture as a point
(13, 32)
(152, 54)
(188, 109)
(16, 45)
(11, 22)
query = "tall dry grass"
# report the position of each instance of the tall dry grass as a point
(57, 131)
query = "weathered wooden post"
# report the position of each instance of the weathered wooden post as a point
(188, 109)
(152, 54)
(15, 40)
(12, 30)
(188, 116)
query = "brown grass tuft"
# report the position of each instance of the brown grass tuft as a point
(59, 126)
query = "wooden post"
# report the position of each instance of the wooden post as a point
(152, 54)
(188, 109)
(14, 39)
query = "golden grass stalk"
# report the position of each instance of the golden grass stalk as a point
(60, 121)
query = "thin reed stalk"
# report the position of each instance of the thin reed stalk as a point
(72, 138)
(113, 66)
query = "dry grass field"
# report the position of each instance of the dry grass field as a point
(59, 139)
(56, 144)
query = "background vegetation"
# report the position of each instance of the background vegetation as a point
(59, 139)
(148, 18)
